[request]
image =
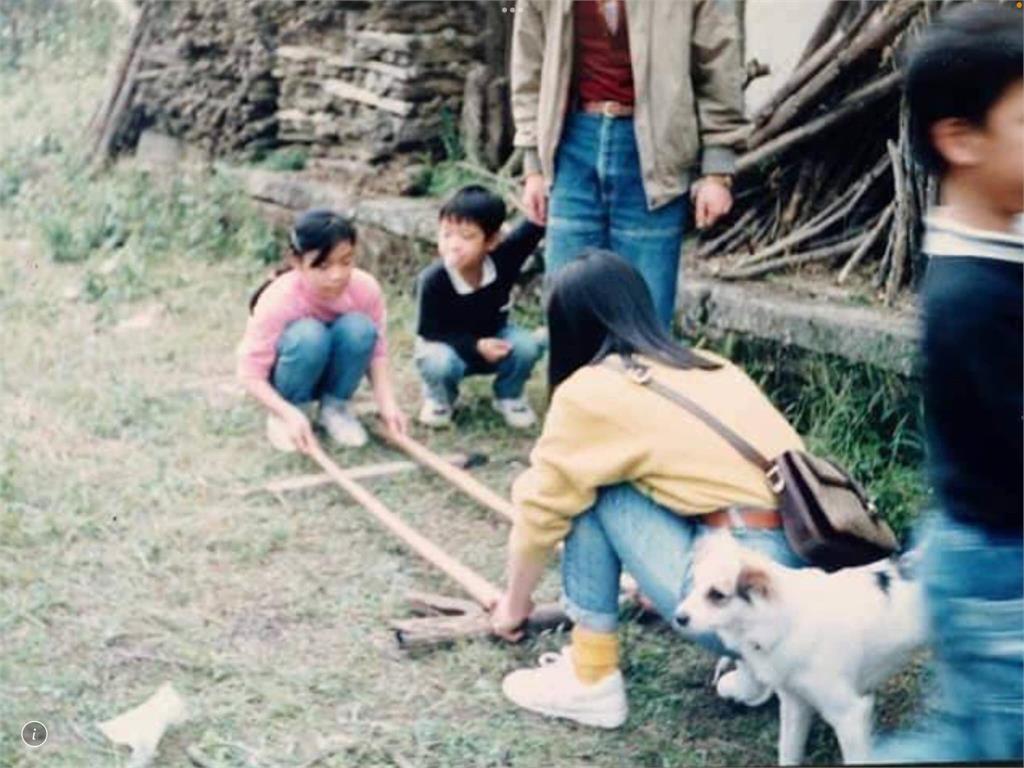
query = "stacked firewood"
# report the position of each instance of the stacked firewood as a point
(826, 178)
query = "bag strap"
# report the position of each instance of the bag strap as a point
(641, 374)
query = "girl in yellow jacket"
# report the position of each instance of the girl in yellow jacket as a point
(628, 480)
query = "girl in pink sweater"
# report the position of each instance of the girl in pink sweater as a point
(314, 331)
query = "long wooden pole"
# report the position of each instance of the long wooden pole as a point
(457, 476)
(476, 586)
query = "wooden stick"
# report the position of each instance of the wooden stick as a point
(825, 28)
(820, 254)
(461, 479)
(899, 249)
(440, 630)
(809, 68)
(866, 245)
(302, 482)
(476, 586)
(851, 105)
(839, 209)
(871, 38)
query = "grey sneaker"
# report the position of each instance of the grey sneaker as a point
(435, 414)
(340, 424)
(516, 411)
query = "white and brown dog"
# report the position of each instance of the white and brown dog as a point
(822, 641)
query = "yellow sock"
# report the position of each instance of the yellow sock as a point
(595, 655)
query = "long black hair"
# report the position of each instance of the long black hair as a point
(598, 305)
(316, 231)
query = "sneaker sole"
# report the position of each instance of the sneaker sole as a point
(583, 717)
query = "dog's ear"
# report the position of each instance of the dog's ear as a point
(753, 581)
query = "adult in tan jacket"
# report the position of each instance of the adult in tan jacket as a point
(622, 106)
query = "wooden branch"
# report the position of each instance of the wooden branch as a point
(121, 88)
(902, 223)
(821, 254)
(867, 244)
(807, 69)
(711, 246)
(461, 479)
(475, 585)
(871, 38)
(441, 630)
(849, 106)
(883, 267)
(303, 482)
(825, 28)
(839, 209)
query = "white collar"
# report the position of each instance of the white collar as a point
(459, 282)
(947, 237)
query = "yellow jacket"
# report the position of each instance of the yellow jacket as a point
(602, 428)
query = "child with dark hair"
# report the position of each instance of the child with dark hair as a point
(314, 331)
(630, 481)
(965, 89)
(463, 326)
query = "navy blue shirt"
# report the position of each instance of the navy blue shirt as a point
(973, 348)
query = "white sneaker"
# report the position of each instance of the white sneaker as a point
(553, 689)
(435, 414)
(734, 681)
(516, 411)
(277, 431)
(341, 424)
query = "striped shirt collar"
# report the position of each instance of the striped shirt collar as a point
(946, 237)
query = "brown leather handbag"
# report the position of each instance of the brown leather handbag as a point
(828, 519)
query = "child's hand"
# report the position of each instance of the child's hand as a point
(394, 419)
(493, 350)
(299, 429)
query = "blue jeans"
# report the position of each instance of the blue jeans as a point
(626, 529)
(441, 369)
(973, 581)
(598, 200)
(317, 360)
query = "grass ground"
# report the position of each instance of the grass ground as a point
(130, 555)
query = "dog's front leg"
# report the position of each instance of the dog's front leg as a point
(853, 729)
(794, 723)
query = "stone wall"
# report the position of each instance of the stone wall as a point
(356, 84)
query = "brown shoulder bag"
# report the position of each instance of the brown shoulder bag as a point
(828, 519)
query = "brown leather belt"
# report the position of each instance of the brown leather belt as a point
(742, 517)
(607, 108)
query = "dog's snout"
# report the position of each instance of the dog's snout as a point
(682, 618)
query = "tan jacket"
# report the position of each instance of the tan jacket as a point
(686, 72)
(602, 428)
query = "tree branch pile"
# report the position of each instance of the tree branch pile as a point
(826, 177)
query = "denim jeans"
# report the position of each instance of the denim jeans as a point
(441, 369)
(973, 581)
(317, 360)
(597, 200)
(627, 530)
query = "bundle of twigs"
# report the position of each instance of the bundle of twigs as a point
(826, 176)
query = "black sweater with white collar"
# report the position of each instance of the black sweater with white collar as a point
(461, 319)
(973, 348)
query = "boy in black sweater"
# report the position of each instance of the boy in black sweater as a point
(463, 326)
(965, 90)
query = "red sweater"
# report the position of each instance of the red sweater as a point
(603, 71)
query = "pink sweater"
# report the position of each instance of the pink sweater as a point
(288, 299)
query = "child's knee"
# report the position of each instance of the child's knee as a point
(525, 348)
(306, 337)
(355, 331)
(437, 361)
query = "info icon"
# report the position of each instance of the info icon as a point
(33, 734)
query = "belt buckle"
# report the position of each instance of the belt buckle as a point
(608, 108)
